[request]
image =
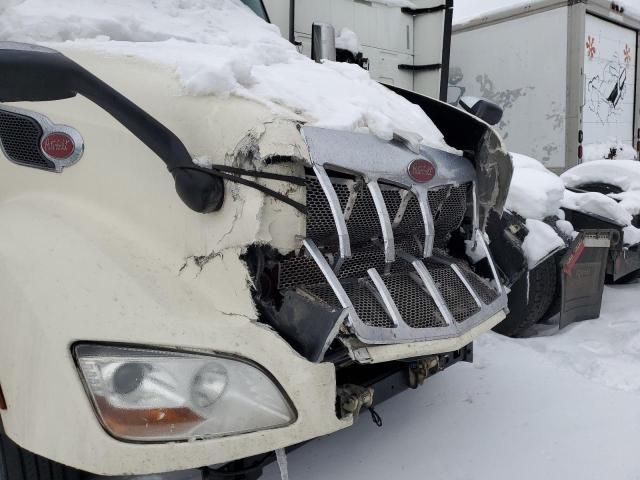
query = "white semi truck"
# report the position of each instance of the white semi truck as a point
(263, 295)
(563, 71)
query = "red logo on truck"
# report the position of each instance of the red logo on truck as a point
(421, 170)
(57, 145)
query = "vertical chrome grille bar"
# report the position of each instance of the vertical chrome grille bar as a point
(326, 270)
(427, 218)
(466, 283)
(406, 196)
(432, 288)
(485, 250)
(476, 212)
(336, 210)
(383, 291)
(385, 222)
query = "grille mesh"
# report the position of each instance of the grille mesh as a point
(486, 293)
(366, 305)
(20, 137)
(458, 299)
(300, 270)
(415, 305)
(320, 224)
(450, 213)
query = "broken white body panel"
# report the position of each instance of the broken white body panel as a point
(564, 73)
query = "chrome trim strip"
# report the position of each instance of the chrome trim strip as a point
(385, 222)
(427, 279)
(427, 218)
(466, 283)
(389, 304)
(336, 210)
(494, 271)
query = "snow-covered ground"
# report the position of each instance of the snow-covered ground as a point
(552, 407)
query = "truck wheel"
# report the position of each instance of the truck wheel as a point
(528, 306)
(18, 464)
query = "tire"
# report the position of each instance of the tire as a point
(18, 464)
(528, 306)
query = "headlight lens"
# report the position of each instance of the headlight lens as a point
(153, 395)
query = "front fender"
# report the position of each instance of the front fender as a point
(70, 272)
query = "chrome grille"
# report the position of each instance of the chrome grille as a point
(385, 295)
(375, 238)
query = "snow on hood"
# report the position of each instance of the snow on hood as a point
(535, 192)
(220, 47)
(624, 174)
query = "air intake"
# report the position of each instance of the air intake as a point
(32, 140)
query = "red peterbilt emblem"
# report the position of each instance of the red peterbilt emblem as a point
(421, 170)
(57, 145)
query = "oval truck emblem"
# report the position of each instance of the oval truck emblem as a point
(57, 145)
(421, 170)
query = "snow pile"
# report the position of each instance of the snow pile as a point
(348, 40)
(535, 192)
(630, 200)
(602, 151)
(624, 174)
(540, 242)
(597, 204)
(220, 47)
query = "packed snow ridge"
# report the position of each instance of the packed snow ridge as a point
(220, 47)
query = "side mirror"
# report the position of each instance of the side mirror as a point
(454, 93)
(29, 73)
(484, 109)
(323, 42)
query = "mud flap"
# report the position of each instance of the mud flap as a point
(582, 274)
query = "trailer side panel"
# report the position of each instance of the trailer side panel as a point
(521, 64)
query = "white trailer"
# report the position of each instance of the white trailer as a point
(563, 71)
(405, 46)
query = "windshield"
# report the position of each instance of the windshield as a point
(258, 7)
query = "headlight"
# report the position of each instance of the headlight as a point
(153, 395)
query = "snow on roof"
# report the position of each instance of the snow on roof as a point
(467, 10)
(535, 192)
(220, 47)
(624, 174)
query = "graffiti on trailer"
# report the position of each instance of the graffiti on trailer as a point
(606, 90)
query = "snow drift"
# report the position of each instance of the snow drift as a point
(535, 192)
(220, 47)
(624, 174)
